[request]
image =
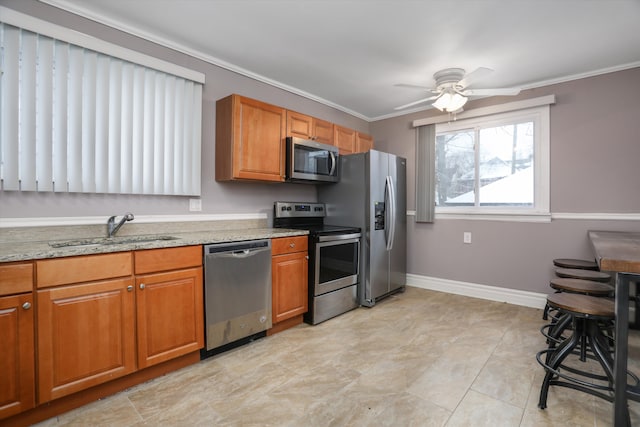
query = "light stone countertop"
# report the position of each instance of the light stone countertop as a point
(41, 249)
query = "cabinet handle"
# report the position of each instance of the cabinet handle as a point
(129, 288)
(306, 257)
(292, 245)
(26, 305)
(141, 285)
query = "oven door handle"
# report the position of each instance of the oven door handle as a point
(339, 237)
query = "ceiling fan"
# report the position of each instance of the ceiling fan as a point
(451, 92)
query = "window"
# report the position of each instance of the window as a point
(495, 164)
(82, 115)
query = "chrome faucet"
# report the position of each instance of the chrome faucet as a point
(112, 227)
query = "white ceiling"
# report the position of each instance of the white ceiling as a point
(350, 54)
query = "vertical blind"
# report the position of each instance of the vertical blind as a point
(74, 119)
(425, 173)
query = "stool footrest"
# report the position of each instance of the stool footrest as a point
(571, 379)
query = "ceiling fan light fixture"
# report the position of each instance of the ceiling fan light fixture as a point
(450, 102)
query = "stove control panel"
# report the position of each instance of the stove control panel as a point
(294, 209)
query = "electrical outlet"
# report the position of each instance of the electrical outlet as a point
(466, 237)
(195, 205)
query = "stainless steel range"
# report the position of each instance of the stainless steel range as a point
(334, 254)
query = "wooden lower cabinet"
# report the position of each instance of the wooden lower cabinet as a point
(104, 322)
(86, 336)
(169, 312)
(17, 364)
(289, 280)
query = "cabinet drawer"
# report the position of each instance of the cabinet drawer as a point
(154, 260)
(16, 278)
(285, 245)
(87, 268)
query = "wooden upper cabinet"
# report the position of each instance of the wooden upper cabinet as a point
(308, 127)
(364, 142)
(344, 139)
(249, 140)
(323, 131)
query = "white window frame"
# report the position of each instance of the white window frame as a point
(539, 212)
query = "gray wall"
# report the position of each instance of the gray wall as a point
(595, 149)
(233, 197)
(595, 152)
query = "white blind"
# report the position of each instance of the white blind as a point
(73, 119)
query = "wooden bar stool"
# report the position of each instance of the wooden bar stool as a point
(580, 286)
(588, 315)
(574, 273)
(582, 264)
(568, 282)
(573, 286)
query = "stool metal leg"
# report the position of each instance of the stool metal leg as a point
(563, 350)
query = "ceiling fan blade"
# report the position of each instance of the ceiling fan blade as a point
(428, 89)
(491, 92)
(411, 104)
(477, 74)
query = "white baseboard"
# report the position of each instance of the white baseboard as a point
(492, 293)
(475, 290)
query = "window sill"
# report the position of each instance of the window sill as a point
(484, 216)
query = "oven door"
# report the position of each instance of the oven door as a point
(336, 262)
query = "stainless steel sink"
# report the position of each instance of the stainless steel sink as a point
(105, 241)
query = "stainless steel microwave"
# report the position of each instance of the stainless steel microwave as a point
(310, 161)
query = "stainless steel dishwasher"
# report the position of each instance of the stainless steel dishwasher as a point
(237, 290)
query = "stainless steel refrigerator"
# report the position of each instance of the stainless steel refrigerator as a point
(372, 195)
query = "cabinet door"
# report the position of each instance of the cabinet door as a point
(364, 142)
(299, 125)
(249, 140)
(170, 315)
(323, 131)
(344, 139)
(308, 127)
(86, 336)
(17, 366)
(289, 285)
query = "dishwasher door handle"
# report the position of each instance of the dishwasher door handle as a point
(243, 253)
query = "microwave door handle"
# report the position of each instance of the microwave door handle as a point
(333, 163)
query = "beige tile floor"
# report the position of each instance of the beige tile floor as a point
(420, 358)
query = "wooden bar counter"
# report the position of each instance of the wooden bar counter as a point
(619, 253)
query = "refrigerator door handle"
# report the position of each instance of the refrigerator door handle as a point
(390, 204)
